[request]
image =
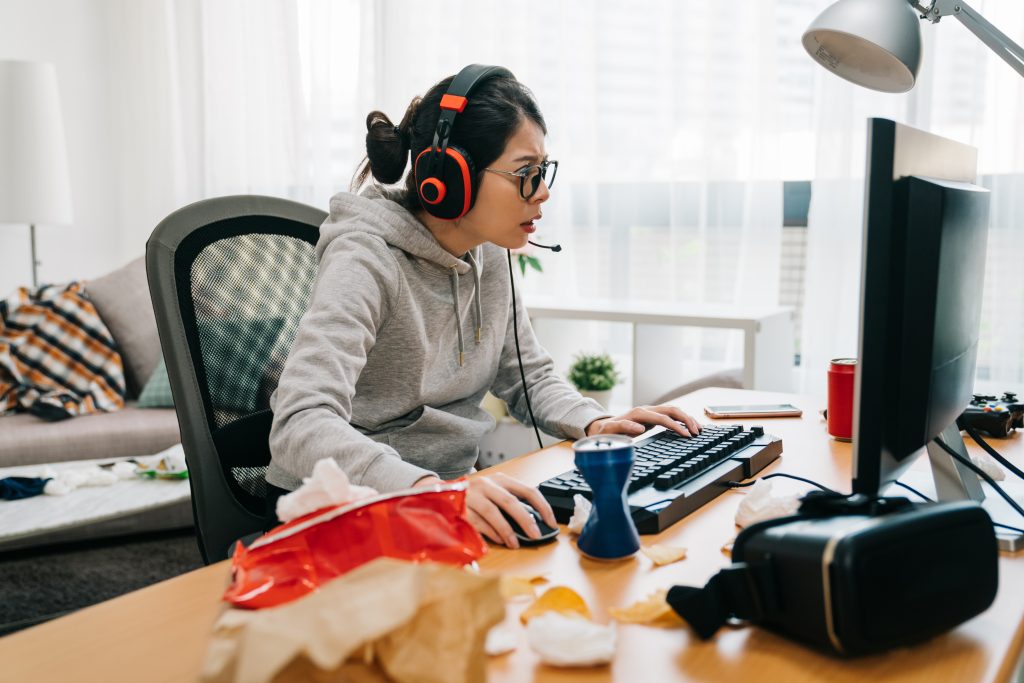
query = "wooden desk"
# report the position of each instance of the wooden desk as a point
(160, 633)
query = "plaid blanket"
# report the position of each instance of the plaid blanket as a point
(57, 358)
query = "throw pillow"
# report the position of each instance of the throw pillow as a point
(157, 392)
(237, 355)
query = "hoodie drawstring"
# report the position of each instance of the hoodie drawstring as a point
(454, 279)
(478, 310)
(476, 296)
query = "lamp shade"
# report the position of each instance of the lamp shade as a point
(873, 43)
(34, 185)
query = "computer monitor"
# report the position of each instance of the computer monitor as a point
(923, 268)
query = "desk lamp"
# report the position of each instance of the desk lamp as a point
(877, 43)
(34, 186)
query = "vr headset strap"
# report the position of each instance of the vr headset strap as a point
(737, 592)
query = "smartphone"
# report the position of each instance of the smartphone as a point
(754, 410)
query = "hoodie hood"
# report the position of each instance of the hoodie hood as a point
(374, 211)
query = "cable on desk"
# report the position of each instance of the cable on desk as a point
(973, 433)
(966, 462)
(738, 484)
(926, 498)
(914, 491)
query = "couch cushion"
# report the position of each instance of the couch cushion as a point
(122, 299)
(27, 440)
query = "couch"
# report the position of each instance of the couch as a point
(122, 301)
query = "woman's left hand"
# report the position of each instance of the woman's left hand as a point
(632, 423)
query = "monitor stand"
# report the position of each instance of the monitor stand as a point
(953, 481)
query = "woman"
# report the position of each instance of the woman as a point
(380, 376)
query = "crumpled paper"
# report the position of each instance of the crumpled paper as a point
(327, 486)
(759, 504)
(562, 640)
(989, 466)
(414, 622)
(580, 513)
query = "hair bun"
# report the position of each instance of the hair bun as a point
(387, 148)
(403, 136)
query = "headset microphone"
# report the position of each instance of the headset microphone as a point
(554, 247)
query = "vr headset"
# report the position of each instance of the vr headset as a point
(853, 575)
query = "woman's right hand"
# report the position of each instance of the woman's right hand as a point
(488, 495)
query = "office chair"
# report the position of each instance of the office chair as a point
(230, 278)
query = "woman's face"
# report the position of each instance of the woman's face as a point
(500, 214)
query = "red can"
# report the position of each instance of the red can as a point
(841, 372)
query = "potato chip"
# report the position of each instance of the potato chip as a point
(559, 599)
(513, 587)
(651, 610)
(663, 554)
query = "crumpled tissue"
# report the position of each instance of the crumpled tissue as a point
(759, 504)
(399, 618)
(562, 640)
(326, 487)
(170, 460)
(500, 639)
(123, 470)
(989, 466)
(64, 482)
(580, 513)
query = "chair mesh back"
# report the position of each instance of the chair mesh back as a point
(249, 292)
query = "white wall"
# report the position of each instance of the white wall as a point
(121, 93)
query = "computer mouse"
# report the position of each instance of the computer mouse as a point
(547, 533)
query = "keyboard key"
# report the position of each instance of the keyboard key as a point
(663, 482)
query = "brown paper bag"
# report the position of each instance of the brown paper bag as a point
(415, 622)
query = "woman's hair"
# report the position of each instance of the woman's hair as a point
(496, 108)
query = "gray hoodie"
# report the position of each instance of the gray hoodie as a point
(399, 345)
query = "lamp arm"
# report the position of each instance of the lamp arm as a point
(998, 42)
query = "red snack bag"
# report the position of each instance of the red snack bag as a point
(294, 559)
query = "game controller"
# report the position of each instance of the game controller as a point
(995, 417)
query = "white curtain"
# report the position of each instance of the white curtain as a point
(966, 93)
(281, 100)
(668, 187)
(675, 125)
(153, 105)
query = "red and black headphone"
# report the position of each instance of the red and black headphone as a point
(446, 179)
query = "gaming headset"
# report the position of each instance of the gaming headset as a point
(446, 178)
(446, 181)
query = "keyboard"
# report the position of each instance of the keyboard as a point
(674, 475)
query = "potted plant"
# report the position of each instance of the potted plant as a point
(594, 375)
(525, 257)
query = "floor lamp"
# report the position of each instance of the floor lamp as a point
(34, 185)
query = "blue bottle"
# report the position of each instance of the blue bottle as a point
(605, 462)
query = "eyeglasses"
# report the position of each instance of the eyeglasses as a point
(530, 177)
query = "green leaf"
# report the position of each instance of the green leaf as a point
(522, 262)
(593, 372)
(534, 263)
